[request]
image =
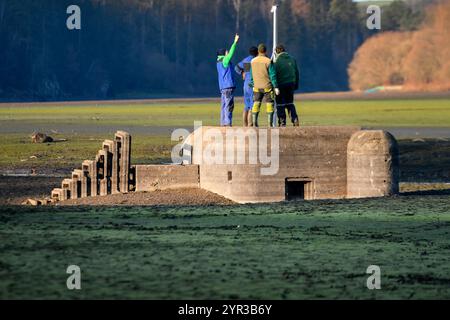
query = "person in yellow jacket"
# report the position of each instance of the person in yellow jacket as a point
(264, 83)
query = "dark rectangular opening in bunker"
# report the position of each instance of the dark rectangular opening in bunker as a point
(298, 189)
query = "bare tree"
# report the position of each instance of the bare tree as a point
(237, 8)
(300, 8)
(379, 61)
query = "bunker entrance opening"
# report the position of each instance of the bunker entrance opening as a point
(299, 189)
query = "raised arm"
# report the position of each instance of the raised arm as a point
(229, 56)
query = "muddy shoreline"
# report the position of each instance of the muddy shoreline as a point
(16, 190)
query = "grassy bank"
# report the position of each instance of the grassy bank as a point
(17, 152)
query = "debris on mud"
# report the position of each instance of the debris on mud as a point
(38, 137)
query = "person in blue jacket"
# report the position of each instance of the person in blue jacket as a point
(243, 68)
(227, 83)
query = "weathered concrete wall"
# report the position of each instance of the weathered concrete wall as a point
(314, 154)
(160, 177)
(109, 173)
(373, 165)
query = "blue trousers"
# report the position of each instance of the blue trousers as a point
(226, 113)
(248, 97)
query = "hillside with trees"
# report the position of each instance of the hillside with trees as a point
(416, 60)
(151, 48)
(155, 48)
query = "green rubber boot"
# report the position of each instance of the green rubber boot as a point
(255, 119)
(270, 119)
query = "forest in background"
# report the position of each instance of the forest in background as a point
(416, 60)
(166, 48)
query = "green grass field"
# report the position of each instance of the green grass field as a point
(386, 113)
(303, 250)
(18, 152)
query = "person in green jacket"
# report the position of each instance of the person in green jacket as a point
(287, 75)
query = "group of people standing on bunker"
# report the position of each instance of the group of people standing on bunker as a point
(264, 79)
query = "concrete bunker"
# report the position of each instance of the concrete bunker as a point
(312, 163)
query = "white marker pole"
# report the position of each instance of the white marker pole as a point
(275, 30)
(274, 55)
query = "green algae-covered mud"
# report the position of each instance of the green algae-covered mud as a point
(312, 250)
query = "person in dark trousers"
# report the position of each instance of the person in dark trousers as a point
(226, 83)
(288, 81)
(243, 69)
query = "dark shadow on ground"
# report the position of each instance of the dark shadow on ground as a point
(443, 192)
(424, 160)
(14, 190)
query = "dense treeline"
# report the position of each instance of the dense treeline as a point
(416, 60)
(149, 48)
